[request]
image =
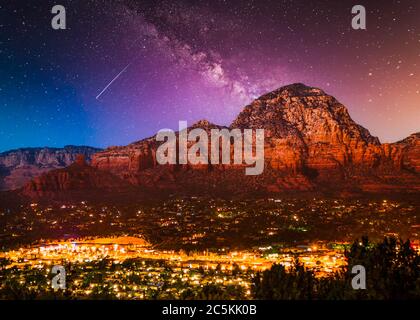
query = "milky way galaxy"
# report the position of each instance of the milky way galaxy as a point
(122, 70)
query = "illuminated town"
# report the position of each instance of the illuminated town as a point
(196, 269)
(185, 248)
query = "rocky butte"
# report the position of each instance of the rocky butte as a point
(311, 144)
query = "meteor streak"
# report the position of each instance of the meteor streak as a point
(115, 78)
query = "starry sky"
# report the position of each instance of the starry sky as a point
(191, 60)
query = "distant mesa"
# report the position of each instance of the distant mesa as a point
(77, 177)
(19, 166)
(311, 145)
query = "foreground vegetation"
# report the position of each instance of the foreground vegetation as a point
(392, 272)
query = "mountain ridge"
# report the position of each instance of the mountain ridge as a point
(311, 143)
(19, 165)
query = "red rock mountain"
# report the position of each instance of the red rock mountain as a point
(311, 143)
(17, 167)
(79, 176)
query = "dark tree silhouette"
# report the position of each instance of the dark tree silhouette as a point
(392, 272)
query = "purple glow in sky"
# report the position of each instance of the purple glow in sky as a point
(189, 60)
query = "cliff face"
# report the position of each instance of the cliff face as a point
(79, 176)
(410, 152)
(128, 161)
(305, 127)
(310, 139)
(311, 143)
(17, 167)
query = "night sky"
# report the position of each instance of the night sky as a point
(189, 60)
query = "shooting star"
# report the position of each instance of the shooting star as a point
(115, 78)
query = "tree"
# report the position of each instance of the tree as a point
(392, 272)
